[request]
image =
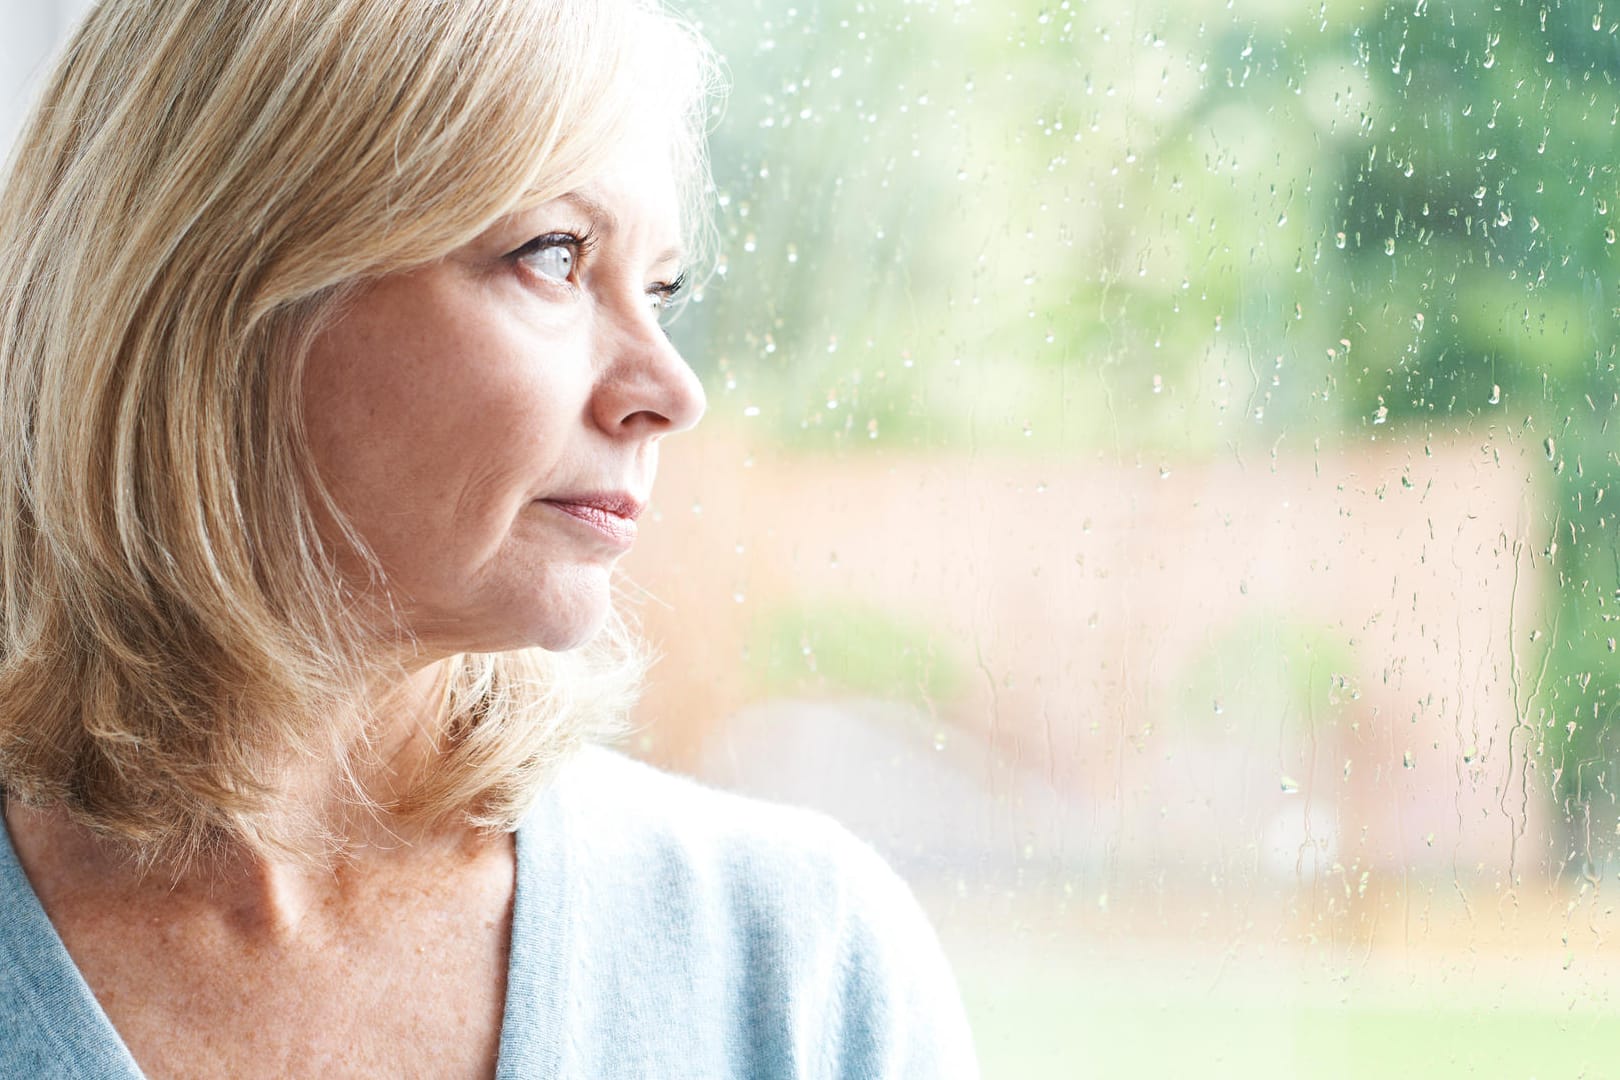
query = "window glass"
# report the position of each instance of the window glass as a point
(1159, 489)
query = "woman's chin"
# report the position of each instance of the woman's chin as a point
(575, 634)
(558, 619)
(555, 615)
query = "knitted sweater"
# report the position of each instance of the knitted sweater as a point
(659, 930)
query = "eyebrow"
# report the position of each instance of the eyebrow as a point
(606, 220)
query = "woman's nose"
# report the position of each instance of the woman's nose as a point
(646, 389)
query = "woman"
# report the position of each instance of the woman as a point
(331, 385)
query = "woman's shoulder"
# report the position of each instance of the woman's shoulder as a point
(669, 840)
(636, 809)
(747, 909)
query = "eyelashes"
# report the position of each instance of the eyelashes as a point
(559, 257)
(581, 243)
(665, 293)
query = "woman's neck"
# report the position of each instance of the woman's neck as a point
(341, 809)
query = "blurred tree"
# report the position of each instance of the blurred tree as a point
(1480, 271)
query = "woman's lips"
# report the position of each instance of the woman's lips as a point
(611, 523)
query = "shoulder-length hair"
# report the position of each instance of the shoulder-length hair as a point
(199, 186)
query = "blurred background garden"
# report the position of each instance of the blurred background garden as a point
(1158, 488)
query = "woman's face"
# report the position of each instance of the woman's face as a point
(490, 422)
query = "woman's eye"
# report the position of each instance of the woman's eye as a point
(661, 295)
(554, 260)
(554, 256)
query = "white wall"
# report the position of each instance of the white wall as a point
(29, 33)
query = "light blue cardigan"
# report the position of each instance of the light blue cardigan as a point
(660, 931)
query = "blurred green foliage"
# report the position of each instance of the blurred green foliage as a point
(1267, 670)
(1497, 183)
(1189, 225)
(849, 648)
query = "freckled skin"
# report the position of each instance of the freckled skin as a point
(388, 967)
(441, 408)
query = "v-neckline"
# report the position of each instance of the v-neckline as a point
(67, 1014)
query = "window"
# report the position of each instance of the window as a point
(1159, 487)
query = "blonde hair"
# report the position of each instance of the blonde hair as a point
(198, 188)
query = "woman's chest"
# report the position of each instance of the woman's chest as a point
(399, 991)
